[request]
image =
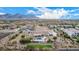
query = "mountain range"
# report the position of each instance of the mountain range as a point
(17, 16)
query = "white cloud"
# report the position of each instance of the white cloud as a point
(74, 10)
(2, 13)
(58, 13)
(76, 14)
(52, 14)
(31, 12)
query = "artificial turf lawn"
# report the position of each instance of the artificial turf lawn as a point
(39, 46)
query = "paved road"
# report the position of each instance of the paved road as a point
(2, 35)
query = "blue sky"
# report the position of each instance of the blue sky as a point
(44, 12)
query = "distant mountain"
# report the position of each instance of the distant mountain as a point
(17, 16)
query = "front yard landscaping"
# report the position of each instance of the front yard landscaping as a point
(39, 47)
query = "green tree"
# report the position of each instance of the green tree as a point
(49, 41)
(66, 35)
(23, 36)
(54, 38)
(24, 41)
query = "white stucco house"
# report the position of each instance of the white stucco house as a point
(40, 39)
(71, 31)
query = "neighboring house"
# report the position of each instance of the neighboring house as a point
(52, 33)
(44, 31)
(9, 30)
(66, 26)
(71, 32)
(52, 26)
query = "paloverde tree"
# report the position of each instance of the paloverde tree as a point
(23, 36)
(54, 38)
(25, 40)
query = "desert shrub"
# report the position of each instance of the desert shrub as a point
(77, 39)
(66, 35)
(24, 41)
(40, 24)
(20, 32)
(23, 36)
(49, 41)
(54, 37)
(13, 37)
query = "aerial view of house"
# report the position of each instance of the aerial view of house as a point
(39, 28)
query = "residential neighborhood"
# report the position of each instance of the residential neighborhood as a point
(39, 28)
(28, 35)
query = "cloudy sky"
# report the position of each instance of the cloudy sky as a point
(44, 12)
